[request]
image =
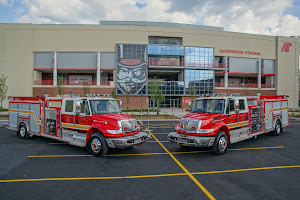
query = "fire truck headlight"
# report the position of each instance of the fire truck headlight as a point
(177, 128)
(205, 130)
(115, 131)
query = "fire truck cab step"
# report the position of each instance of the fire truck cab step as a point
(74, 137)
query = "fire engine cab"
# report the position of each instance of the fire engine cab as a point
(95, 123)
(219, 121)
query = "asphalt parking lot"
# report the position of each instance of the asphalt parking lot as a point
(39, 168)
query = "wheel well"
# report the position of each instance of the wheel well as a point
(21, 124)
(276, 120)
(225, 130)
(91, 132)
(279, 121)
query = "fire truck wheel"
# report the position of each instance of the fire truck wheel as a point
(278, 128)
(221, 143)
(22, 133)
(97, 145)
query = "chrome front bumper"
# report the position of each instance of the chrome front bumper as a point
(193, 141)
(128, 141)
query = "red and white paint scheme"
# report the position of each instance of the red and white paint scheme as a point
(95, 123)
(219, 121)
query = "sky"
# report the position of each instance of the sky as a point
(267, 17)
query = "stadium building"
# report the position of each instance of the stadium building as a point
(185, 60)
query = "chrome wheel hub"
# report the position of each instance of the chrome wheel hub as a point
(222, 144)
(96, 145)
(22, 131)
(278, 128)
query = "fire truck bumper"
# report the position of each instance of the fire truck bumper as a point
(193, 141)
(128, 141)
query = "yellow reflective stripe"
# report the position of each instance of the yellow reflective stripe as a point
(27, 112)
(77, 126)
(277, 109)
(235, 125)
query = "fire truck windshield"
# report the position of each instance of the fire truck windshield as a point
(104, 106)
(209, 106)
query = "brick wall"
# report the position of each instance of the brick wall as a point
(52, 91)
(246, 92)
(134, 101)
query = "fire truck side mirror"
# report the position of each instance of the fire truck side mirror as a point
(236, 106)
(190, 106)
(121, 104)
(258, 102)
(77, 112)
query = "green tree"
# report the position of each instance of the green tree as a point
(3, 88)
(60, 86)
(156, 93)
(86, 88)
(127, 92)
(113, 94)
(192, 90)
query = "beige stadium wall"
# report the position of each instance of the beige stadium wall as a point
(16, 60)
(286, 70)
(19, 41)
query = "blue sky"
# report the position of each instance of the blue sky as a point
(294, 9)
(7, 14)
(269, 17)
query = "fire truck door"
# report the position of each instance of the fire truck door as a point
(83, 114)
(243, 113)
(232, 116)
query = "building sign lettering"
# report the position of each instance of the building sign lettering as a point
(240, 52)
(286, 47)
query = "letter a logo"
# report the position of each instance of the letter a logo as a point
(286, 47)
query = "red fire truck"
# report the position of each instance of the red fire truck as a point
(96, 123)
(219, 121)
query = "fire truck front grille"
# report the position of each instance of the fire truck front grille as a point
(129, 125)
(189, 125)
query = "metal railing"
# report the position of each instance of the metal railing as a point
(43, 82)
(267, 86)
(186, 64)
(167, 87)
(244, 85)
(68, 82)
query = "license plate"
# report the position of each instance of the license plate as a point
(181, 140)
(137, 140)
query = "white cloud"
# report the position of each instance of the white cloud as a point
(290, 26)
(3, 2)
(7, 2)
(251, 16)
(260, 17)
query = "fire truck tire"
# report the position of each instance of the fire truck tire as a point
(278, 128)
(221, 143)
(22, 132)
(97, 145)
